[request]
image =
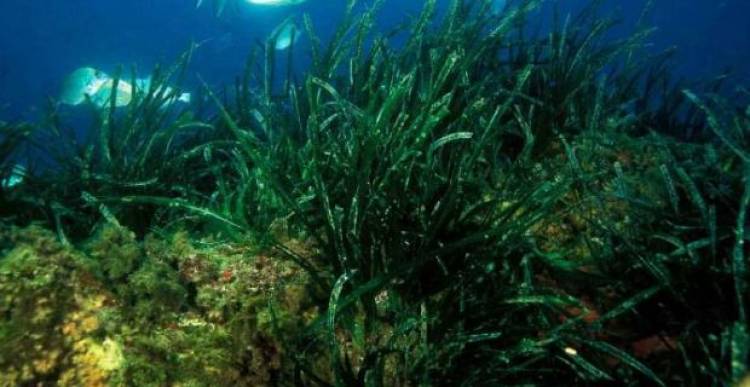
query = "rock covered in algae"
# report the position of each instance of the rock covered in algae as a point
(116, 252)
(242, 306)
(622, 171)
(119, 311)
(50, 329)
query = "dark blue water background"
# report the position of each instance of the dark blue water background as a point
(41, 41)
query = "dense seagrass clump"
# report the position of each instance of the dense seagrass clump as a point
(482, 197)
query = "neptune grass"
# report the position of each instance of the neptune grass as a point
(478, 206)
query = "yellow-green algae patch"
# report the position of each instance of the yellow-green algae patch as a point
(50, 329)
(159, 312)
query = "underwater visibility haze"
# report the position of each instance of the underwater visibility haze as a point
(374, 193)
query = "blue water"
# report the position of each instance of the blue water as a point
(41, 41)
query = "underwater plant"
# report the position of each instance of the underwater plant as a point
(425, 243)
(396, 170)
(12, 138)
(475, 205)
(133, 156)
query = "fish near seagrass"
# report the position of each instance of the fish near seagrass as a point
(90, 84)
(285, 35)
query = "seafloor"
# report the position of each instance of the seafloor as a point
(477, 206)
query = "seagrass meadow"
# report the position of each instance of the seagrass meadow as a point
(478, 205)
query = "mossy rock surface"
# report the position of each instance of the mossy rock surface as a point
(50, 330)
(178, 315)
